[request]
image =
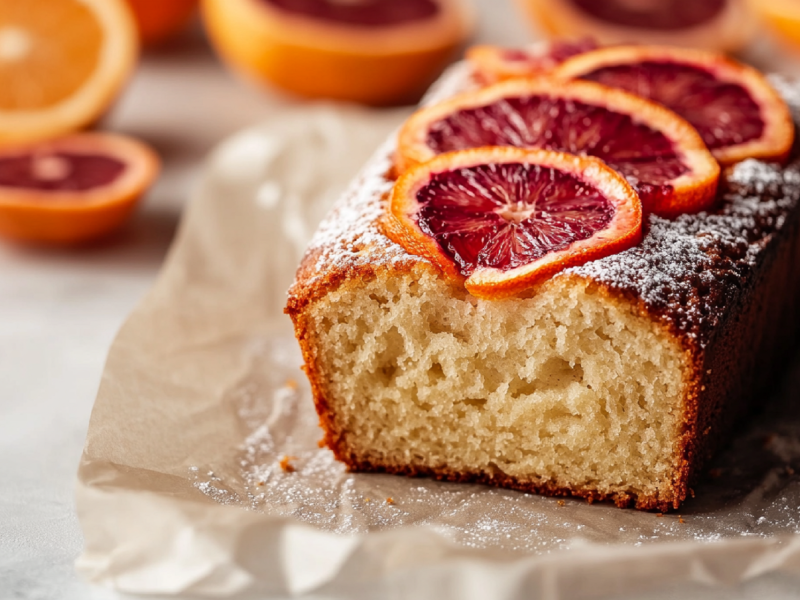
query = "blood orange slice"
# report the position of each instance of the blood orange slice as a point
(502, 220)
(660, 154)
(493, 63)
(714, 24)
(370, 51)
(732, 106)
(72, 189)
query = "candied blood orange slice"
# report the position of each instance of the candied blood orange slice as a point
(370, 51)
(502, 219)
(660, 154)
(732, 106)
(494, 63)
(72, 189)
(714, 24)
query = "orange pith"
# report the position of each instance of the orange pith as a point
(374, 65)
(62, 216)
(619, 232)
(691, 191)
(778, 134)
(62, 62)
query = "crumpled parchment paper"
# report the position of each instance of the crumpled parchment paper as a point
(182, 489)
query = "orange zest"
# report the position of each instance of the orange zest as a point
(62, 64)
(73, 189)
(383, 63)
(501, 220)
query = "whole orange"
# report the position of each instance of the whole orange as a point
(159, 20)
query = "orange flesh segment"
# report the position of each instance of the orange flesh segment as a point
(46, 54)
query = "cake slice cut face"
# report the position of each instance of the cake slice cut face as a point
(567, 392)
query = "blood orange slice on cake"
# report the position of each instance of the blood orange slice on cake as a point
(494, 63)
(732, 106)
(72, 189)
(658, 152)
(502, 220)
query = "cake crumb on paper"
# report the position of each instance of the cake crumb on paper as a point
(390, 500)
(286, 464)
(562, 503)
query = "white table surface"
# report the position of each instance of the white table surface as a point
(59, 311)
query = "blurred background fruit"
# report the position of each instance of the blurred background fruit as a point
(781, 16)
(160, 20)
(73, 189)
(372, 51)
(714, 24)
(62, 64)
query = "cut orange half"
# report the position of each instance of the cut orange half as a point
(502, 220)
(732, 106)
(494, 63)
(370, 51)
(660, 154)
(725, 25)
(159, 20)
(73, 189)
(62, 63)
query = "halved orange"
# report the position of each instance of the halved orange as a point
(494, 63)
(783, 16)
(502, 220)
(370, 51)
(159, 20)
(713, 24)
(72, 189)
(660, 154)
(62, 63)
(732, 106)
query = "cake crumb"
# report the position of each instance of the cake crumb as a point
(291, 384)
(659, 514)
(680, 519)
(367, 499)
(691, 492)
(562, 503)
(286, 465)
(260, 484)
(390, 500)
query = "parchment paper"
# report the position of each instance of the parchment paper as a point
(181, 488)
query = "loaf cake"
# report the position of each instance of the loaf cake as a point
(616, 380)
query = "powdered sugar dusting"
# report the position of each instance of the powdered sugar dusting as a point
(686, 271)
